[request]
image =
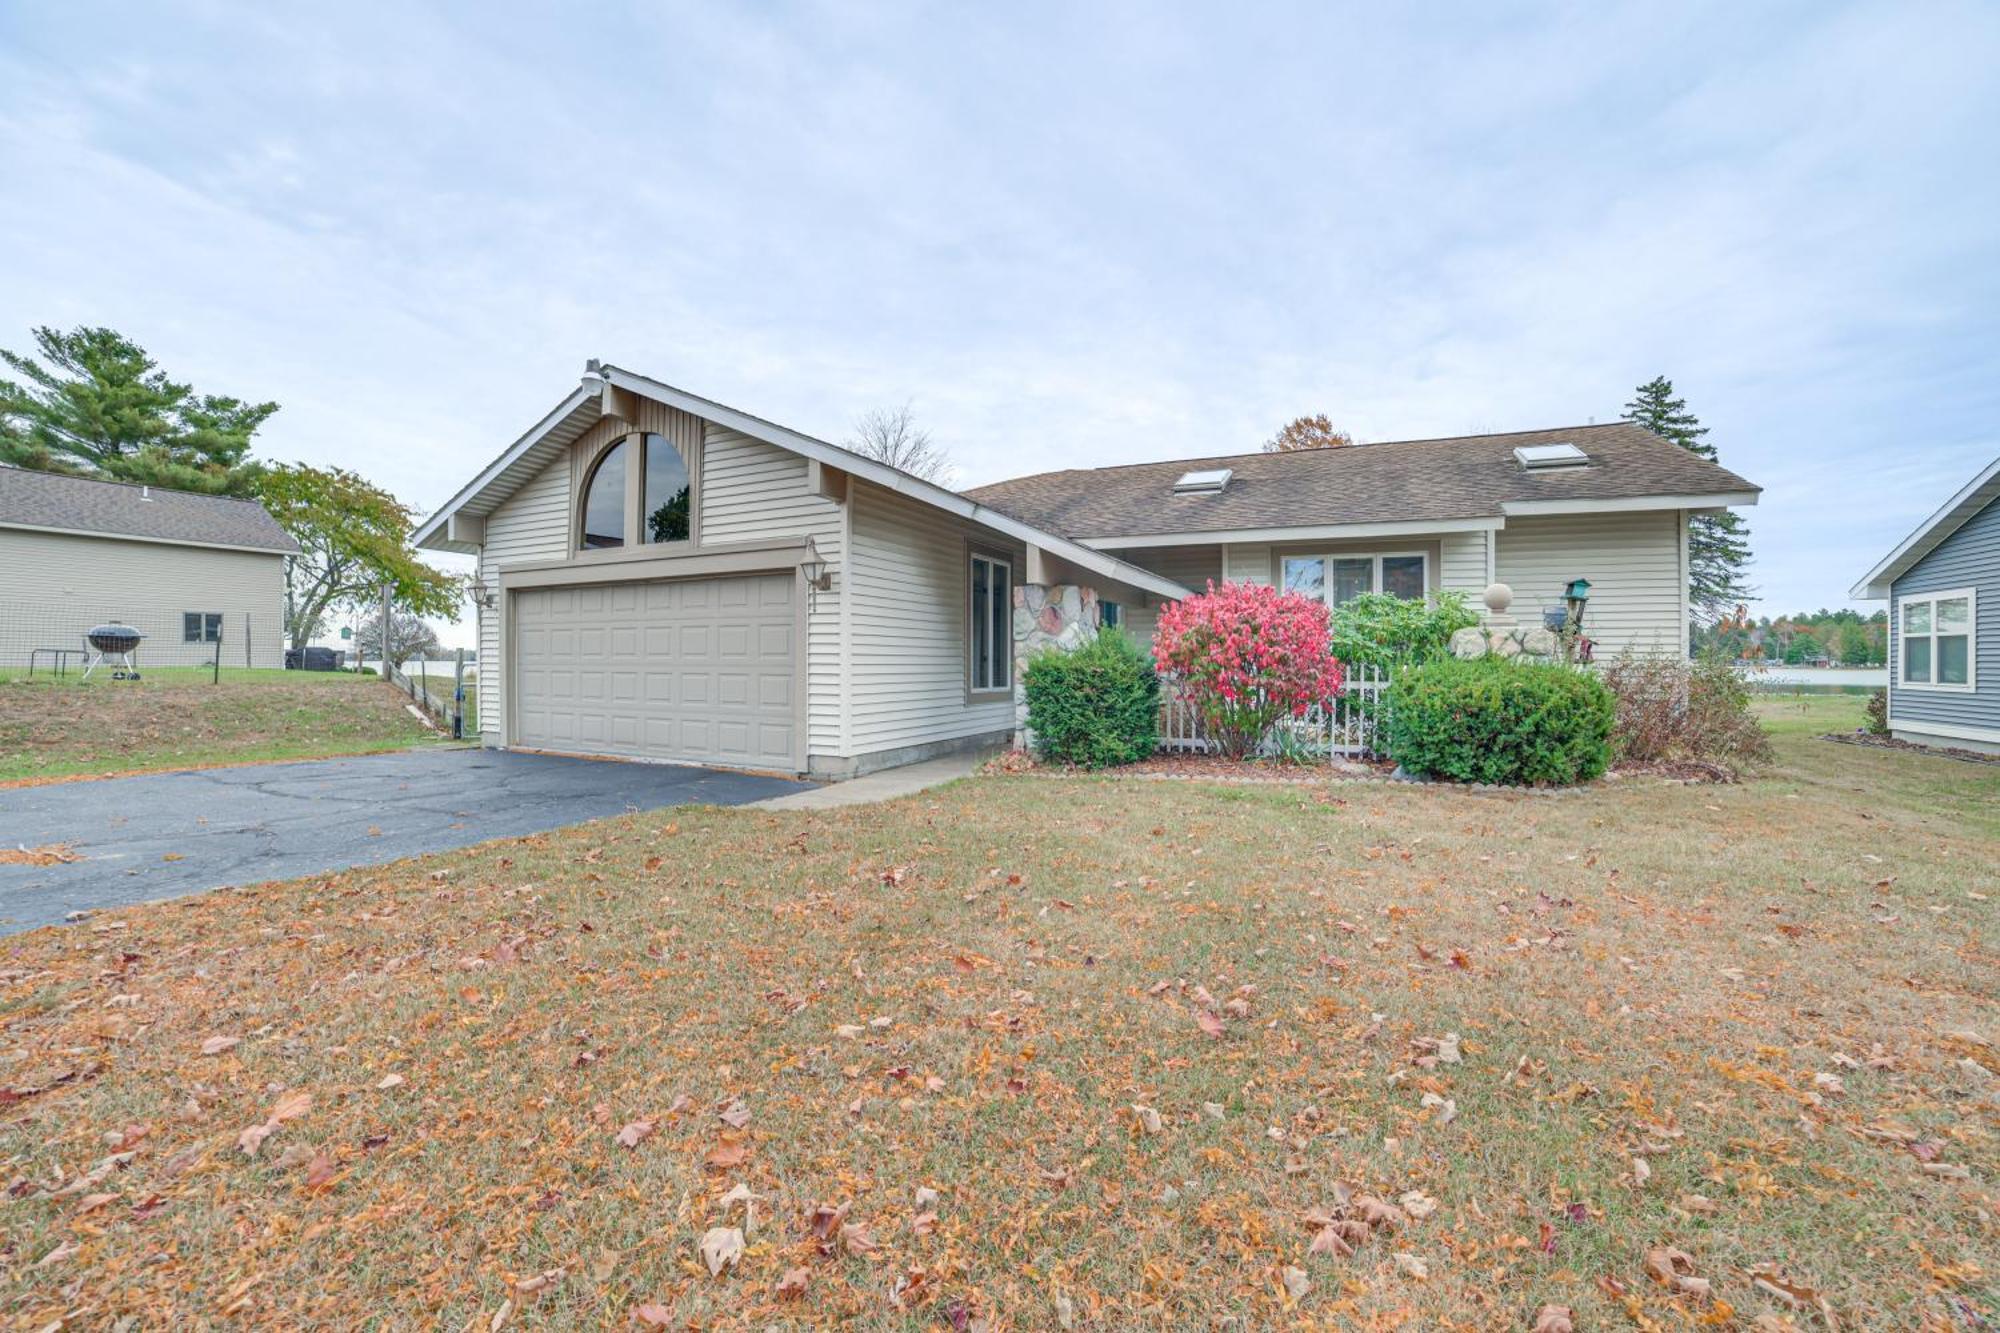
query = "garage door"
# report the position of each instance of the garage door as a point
(699, 670)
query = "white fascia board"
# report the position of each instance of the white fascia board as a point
(1628, 504)
(890, 479)
(151, 541)
(1317, 532)
(1928, 535)
(586, 392)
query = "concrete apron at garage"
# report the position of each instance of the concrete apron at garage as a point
(166, 834)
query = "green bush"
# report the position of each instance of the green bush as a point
(1492, 720)
(1388, 631)
(1094, 707)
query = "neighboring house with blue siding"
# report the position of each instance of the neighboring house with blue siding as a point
(1943, 589)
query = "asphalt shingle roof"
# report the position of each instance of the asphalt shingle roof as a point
(51, 500)
(1469, 476)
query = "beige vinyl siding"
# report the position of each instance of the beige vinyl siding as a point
(751, 490)
(1633, 562)
(1190, 566)
(744, 490)
(1246, 564)
(1462, 564)
(531, 524)
(54, 586)
(907, 668)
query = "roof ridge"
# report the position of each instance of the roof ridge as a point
(131, 485)
(1262, 453)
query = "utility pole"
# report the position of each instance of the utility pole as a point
(388, 593)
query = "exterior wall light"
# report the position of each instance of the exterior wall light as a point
(818, 576)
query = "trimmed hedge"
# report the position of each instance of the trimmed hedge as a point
(1096, 706)
(1492, 720)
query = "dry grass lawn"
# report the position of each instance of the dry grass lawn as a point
(179, 718)
(1147, 1042)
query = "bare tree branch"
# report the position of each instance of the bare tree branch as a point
(893, 437)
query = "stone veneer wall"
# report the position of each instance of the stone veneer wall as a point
(1061, 615)
(1505, 640)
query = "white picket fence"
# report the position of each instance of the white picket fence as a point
(1342, 727)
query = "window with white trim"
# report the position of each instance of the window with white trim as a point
(201, 627)
(990, 624)
(1339, 578)
(1940, 634)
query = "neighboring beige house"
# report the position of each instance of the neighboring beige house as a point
(663, 577)
(193, 573)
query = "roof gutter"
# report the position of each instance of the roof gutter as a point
(293, 549)
(1628, 504)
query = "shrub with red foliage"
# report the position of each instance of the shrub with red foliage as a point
(1247, 656)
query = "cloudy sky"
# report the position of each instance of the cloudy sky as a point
(1067, 234)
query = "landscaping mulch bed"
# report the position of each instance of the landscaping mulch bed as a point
(1205, 768)
(1217, 768)
(1874, 742)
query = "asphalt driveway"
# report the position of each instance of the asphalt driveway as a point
(167, 834)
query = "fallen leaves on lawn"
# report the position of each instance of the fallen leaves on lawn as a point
(289, 1107)
(217, 1045)
(721, 1247)
(637, 1132)
(1554, 1319)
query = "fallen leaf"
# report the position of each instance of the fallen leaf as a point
(291, 1106)
(1409, 1265)
(793, 1284)
(319, 1172)
(1417, 1204)
(390, 1081)
(721, 1247)
(217, 1045)
(1554, 1319)
(1297, 1284)
(637, 1132)
(1147, 1119)
(1666, 1263)
(1208, 1022)
(651, 1315)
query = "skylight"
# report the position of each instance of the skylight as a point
(1203, 483)
(1541, 457)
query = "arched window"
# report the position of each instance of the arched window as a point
(665, 506)
(604, 501)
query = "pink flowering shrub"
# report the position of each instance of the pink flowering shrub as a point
(1247, 656)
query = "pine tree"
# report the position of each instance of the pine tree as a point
(94, 404)
(1718, 543)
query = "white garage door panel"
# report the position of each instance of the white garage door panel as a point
(701, 670)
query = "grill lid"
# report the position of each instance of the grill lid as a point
(113, 638)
